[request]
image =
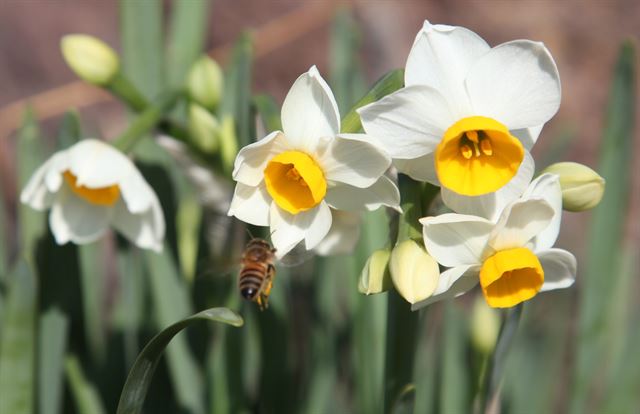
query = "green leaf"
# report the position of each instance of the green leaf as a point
(237, 91)
(93, 275)
(269, 111)
(605, 234)
(454, 383)
(389, 83)
(70, 130)
(171, 303)
(346, 79)
(4, 242)
(29, 152)
(139, 379)
(84, 393)
(186, 37)
(17, 346)
(142, 40)
(52, 344)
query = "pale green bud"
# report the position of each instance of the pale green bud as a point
(413, 271)
(485, 326)
(375, 277)
(90, 58)
(204, 128)
(228, 143)
(582, 188)
(205, 82)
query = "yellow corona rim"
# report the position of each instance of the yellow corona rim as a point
(477, 155)
(104, 196)
(295, 181)
(510, 277)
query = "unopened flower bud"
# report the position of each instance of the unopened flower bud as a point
(204, 128)
(205, 82)
(375, 277)
(228, 143)
(582, 188)
(485, 326)
(413, 271)
(90, 58)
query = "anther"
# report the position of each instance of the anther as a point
(485, 146)
(466, 151)
(472, 135)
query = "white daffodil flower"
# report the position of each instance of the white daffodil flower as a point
(91, 186)
(291, 180)
(468, 113)
(512, 258)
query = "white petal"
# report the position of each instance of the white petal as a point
(441, 57)
(252, 160)
(516, 83)
(73, 219)
(409, 122)
(343, 235)
(452, 283)
(287, 229)
(251, 204)
(456, 239)
(559, 269)
(351, 160)
(547, 187)
(309, 111)
(520, 222)
(382, 193)
(39, 193)
(136, 192)
(97, 164)
(491, 205)
(422, 168)
(146, 229)
(528, 136)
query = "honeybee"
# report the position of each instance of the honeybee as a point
(258, 271)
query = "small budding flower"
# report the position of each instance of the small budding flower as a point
(91, 186)
(582, 188)
(205, 82)
(375, 276)
(90, 58)
(413, 271)
(469, 113)
(512, 259)
(485, 327)
(204, 128)
(293, 180)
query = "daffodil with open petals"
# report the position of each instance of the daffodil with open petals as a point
(468, 113)
(291, 180)
(91, 186)
(512, 259)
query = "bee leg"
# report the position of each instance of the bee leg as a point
(259, 302)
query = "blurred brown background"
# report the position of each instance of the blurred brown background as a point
(293, 35)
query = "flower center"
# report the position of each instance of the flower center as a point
(510, 277)
(477, 155)
(103, 196)
(294, 181)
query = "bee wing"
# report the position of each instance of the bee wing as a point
(297, 256)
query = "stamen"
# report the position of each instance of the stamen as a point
(476, 149)
(466, 152)
(472, 135)
(486, 147)
(293, 174)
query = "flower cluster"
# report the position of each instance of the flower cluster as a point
(465, 120)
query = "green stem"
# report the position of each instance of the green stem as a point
(122, 87)
(146, 121)
(411, 195)
(495, 368)
(402, 323)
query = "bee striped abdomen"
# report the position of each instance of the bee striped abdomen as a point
(251, 281)
(257, 273)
